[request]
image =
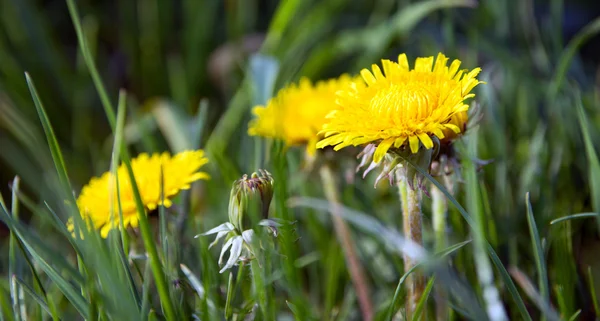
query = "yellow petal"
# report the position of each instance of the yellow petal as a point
(403, 62)
(368, 77)
(414, 144)
(382, 149)
(453, 127)
(399, 141)
(424, 64)
(438, 132)
(453, 68)
(377, 73)
(440, 63)
(426, 140)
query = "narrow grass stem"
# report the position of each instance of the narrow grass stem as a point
(413, 230)
(342, 231)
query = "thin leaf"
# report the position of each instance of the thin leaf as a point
(89, 61)
(531, 291)
(423, 299)
(573, 216)
(575, 315)
(593, 162)
(66, 288)
(31, 292)
(495, 259)
(15, 259)
(592, 287)
(149, 243)
(569, 52)
(440, 255)
(538, 252)
(57, 156)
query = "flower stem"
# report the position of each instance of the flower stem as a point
(342, 231)
(440, 208)
(412, 224)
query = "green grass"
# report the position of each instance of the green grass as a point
(86, 85)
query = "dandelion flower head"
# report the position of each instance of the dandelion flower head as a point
(400, 106)
(178, 172)
(298, 112)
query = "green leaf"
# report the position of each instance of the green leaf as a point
(440, 255)
(495, 259)
(572, 217)
(31, 292)
(57, 156)
(89, 61)
(149, 243)
(593, 163)
(423, 299)
(538, 252)
(592, 287)
(568, 53)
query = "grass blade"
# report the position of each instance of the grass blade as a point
(33, 295)
(512, 289)
(572, 217)
(440, 255)
(592, 287)
(569, 52)
(57, 156)
(149, 243)
(593, 163)
(15, 259)
(529, 288)
(540, 261)
(89, 61)
(423, 300)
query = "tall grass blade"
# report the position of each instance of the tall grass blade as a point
(592, 287)
(569, 52)
(31, 292)
(15, 259)
(593, 162)
(538, 252)
(495, 259)
(66, 288)
(423, 300)
(89, 61)
(57, 156)
(572, 217)
(532, 292)
(440, 255)
(150, 244)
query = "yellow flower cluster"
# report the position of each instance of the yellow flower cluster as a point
(395, 107)
(401, 105)
(178, 172)
(297, 113)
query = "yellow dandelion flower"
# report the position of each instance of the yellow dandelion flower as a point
(402, 106)
(298, 112)
(178, 172)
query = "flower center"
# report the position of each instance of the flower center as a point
(405, 105)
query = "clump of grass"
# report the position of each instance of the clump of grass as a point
(102, 99)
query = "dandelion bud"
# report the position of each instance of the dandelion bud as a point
(257, 188)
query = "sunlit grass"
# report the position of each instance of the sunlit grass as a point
(522, 226)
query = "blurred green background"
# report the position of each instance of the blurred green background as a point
(207, 61)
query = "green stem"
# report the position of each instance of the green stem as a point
(344, 236)
(439, 208)
(260, 288)
(413, 230)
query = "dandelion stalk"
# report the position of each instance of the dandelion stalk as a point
(439, 209)
(342, 231)
(413, 230)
